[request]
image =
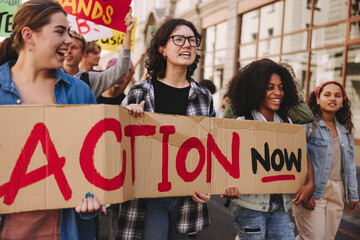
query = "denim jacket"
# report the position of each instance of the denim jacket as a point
(68, 90)
(261, 202)
(319, 148)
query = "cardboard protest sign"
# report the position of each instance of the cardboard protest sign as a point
(116, 40)
(52, 155)
(7, 10)
(110, 13)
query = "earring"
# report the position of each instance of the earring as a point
(341, 105)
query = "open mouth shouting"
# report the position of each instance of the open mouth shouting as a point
(185, 54)
(61, 52)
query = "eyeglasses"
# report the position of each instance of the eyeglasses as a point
(179, 40)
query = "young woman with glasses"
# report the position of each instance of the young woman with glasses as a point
(169, 89)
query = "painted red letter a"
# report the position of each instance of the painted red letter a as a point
(20, 179)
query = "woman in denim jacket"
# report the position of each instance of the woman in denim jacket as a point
(330, 146)
(29, 74)
(264, 91)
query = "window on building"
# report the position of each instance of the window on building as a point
(214, 55)
(325, 47)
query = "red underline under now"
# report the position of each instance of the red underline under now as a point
(275, 178)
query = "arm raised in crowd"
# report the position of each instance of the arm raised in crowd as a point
(102, 81)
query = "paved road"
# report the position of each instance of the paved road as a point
(222, 228)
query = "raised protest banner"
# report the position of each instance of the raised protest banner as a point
(7, 10)
(91, 31)
(50, 156)
(109, 13)
(116, 40)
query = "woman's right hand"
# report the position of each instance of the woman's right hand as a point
(136, 110)
(310, 204)
(231, 192)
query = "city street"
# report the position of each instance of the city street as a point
(222, 228)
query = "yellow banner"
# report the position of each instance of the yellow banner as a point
(117, 39)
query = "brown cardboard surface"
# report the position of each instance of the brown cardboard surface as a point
(100, 136)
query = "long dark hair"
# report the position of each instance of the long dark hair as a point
(343, 115)
(156, 64)
(248, 87)
(33, 14)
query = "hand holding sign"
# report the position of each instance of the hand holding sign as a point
(129, 21)
(89, 204)
(200, 197)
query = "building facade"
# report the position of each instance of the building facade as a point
(320, 39)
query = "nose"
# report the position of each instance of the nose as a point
(68, 40)
(277, 91)
(187, 42)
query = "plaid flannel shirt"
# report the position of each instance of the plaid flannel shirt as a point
(193, 216)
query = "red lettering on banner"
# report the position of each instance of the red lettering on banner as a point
(137, 130)
(212, 147)
(87, 155)
(185, 148)
(20, 179)
(83, 27)
(165, 185)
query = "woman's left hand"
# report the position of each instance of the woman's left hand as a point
(353, 207)
(89, 204)
(200, 197)
(304, 193)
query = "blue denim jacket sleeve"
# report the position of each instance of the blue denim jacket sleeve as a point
(319, 148)
(352, 186)
(68, 90)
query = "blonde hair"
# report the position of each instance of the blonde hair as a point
(78, 36)
(90, 47)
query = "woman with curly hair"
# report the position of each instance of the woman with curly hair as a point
(330, 146)
(264, 91)
(169, 89)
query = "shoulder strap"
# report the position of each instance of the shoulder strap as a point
(85, 78)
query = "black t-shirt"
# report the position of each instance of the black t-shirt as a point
(170, 100)
(114, 100)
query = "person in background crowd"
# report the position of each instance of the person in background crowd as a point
(220, 111)
(99, 82)
(115, 94)
(91, 57)
(330, 146)
(169, 89)
(30, 60)
(264, 91)
(209, 85)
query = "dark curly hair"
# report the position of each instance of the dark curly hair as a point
(343, 115)
(156, 64)
(248, 87)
